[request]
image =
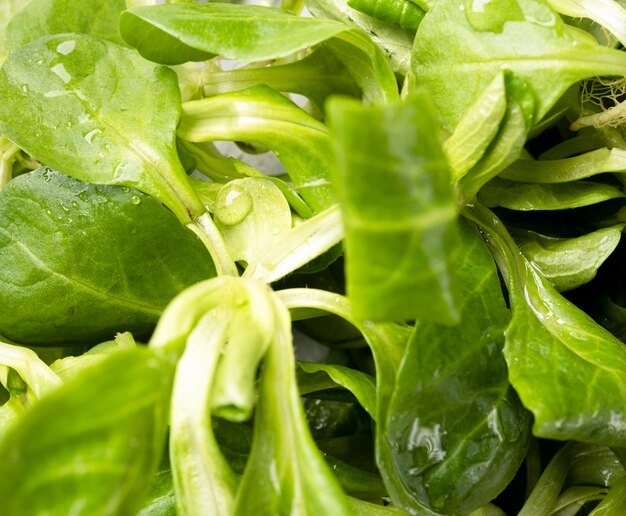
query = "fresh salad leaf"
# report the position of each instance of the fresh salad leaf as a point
(128, 258)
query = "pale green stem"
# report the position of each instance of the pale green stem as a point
(302, 244)
(207, 232)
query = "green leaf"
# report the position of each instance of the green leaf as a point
(91, 445)
(398, 209)
(568, 169)
(531, 197)
(569, 262)
(313, 377)
(253, 216)
(81, 262)
(173, 34)
(8, 9)
(264, 116)
(459, 50)
(478, 127)
(456, 428)
(98, 112)
(161, 499)
(567, 370)
(395, 42)
(285, 471)
(42, 17)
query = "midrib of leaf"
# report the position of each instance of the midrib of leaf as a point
(135, 305)
(161, 173)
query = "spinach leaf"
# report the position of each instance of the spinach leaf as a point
(398, 209)
(567, 370)
(72, 102)
(528, 197)
(42, 17)
(457, 430)
(569, 262)
(460, 49)
(93, 444)
(81, 262)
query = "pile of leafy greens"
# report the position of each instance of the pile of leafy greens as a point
(429, 194)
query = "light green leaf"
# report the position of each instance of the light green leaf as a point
(98, 112)
(8, 9)
(264, 116)
(93, 444)
(315, 376)
(569, 262)
(81, 262)
(253, 216)
(457, 430)
(398, 209)
(567, 169)
(531, 197)
(459, 50)
(43, 17)
(174, 34)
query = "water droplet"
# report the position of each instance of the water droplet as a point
(89, 137)
(75, 205)
(60, 71)
(83, 118)
(135, 200)
(233, 204)
(24, 88)
(67, 47)
(125, 189)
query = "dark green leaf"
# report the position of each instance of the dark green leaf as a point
(568, 371)
(398, 209)
(92, 445)
(98, 112)
(42, 17)
(81, 262)
(457, 430)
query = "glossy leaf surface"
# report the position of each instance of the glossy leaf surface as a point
(457, 429)
(569, 262)
(72, 102)
(81, 262)
(398, 209)
(555, 352)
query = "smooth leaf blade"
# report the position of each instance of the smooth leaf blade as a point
(69, 453)
(398, 209)
(177, 33)
(457, 430)
(41, 17)
(81, 262)
(72, 102)
(458, 51)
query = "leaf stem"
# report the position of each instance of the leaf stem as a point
(204, 227)
(303, 243)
